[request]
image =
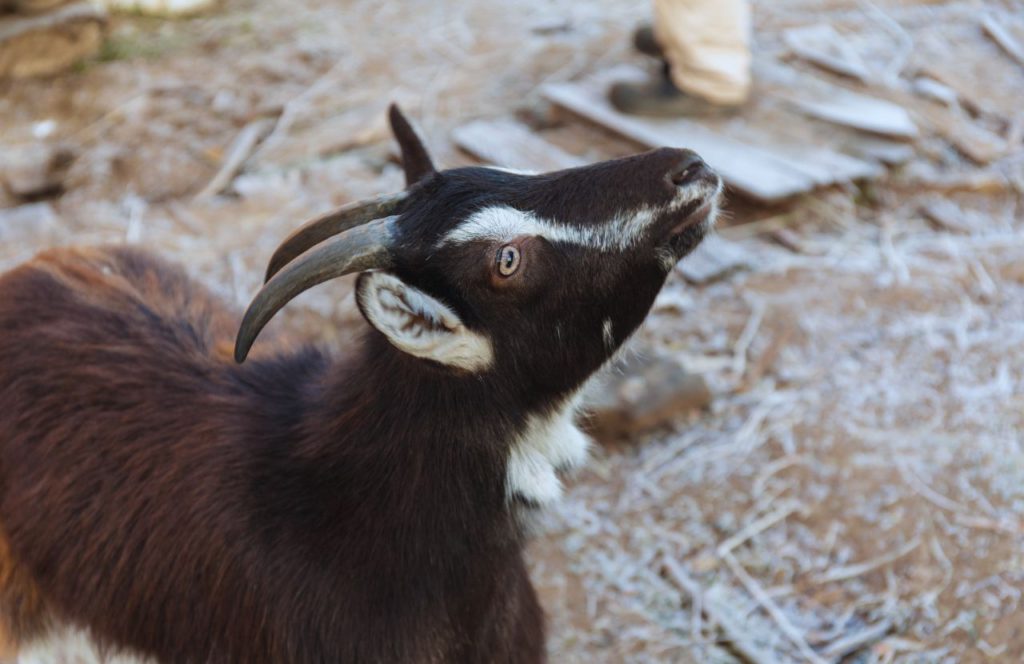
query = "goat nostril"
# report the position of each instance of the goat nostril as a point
(685, 172)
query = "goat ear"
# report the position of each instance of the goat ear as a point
(415, 160)
(419, 324)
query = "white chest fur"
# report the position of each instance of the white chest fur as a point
(67, 644)
(548, 445)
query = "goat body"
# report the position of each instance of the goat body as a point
(170, 505)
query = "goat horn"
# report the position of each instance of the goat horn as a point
(364, 247)
(317, 230)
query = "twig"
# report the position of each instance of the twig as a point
(774, 467)
(773, 610)
(240, 149)
(742, 345)
(757, 526)
(851, 571)
(1002, 36)
(851, 643)
(733, 632)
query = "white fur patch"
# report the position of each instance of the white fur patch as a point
(607, 333)
(502, 223)
(67, 645)
(420, 325)
(549, 444)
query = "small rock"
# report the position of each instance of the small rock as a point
(48, 43)
(35, 170)
(642, 393)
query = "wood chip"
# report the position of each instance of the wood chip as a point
(241, 148)
(510, 144)
(852, 571)
(750, 169)
(821, 45)
(994, 27)
(851, 643)
(715, 258)
(946, 215)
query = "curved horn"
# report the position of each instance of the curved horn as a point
(362, 248)
(317, 230)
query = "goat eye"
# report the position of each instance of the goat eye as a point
(508, 260)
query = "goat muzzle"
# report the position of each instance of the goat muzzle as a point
(357, 249)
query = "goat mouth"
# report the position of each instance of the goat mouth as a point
(698, 216)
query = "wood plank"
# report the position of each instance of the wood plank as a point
(510, 144)
(749, 169)
(822, 46)
(820, 99)
(1001, 35)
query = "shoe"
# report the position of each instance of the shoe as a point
(645, 42)
(660, 98)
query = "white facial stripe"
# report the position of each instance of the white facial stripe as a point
(502, 223)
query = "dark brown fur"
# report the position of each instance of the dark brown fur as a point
(299, 508)
(198, 511)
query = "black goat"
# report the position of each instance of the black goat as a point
(160, 502)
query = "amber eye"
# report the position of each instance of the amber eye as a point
(508, 260)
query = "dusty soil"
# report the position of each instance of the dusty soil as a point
(866, 438)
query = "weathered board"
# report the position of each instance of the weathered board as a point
(752, 171)
(823, 100)
(761, 170)
(510, 144)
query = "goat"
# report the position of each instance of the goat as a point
(160, 502)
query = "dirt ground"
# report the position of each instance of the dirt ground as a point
(857, 488)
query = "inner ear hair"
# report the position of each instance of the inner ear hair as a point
(419, 324)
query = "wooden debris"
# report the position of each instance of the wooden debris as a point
(852, 571)
(822, 100)
(791, 240)
(749, 169)
(734, 632)
(1001, 35)
(641, 393)
(851, 643)
(857, 111)
(44, 44)
(241, 148)
(930, 88)
(874, 148)
(715, 258)
(946, 215)
(822, 46)
(759, 227)
(34, 170)
(772, 609)
(510, 144)
(757, 526)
